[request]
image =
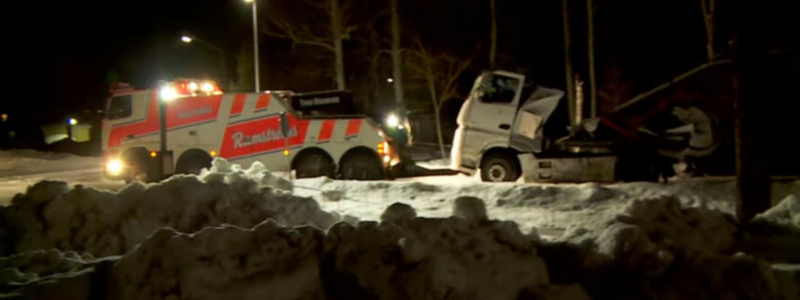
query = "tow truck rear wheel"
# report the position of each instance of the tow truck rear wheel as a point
(361, 165)
(313, 164)
(499, 168)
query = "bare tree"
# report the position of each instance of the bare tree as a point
(329, 36)
(440, 72)
(493, 51)
(397, 59)
(568, 61)
(590, 8)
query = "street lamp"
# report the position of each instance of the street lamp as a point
(255, 41)
(191, 39)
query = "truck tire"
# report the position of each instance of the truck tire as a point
(314, 164)
(361, 167)
(141, 169)
(499, 168)
(192, 162)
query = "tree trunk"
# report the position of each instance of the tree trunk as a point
(397, 64)
(708, 20)
(752, 157)
(592, 82)
(436, 107)
(336, 29)
(493, 51)
(568, 63)
(340, 80)
(436, 111)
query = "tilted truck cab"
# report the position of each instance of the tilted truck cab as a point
(501, 132)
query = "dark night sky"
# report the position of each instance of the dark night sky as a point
(54, 55)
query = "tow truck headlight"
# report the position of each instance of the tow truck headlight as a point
(114, 167)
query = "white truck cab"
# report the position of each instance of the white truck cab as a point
(501, 134)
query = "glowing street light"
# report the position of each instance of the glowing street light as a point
(390, 80)
(72, 121)
(186, 39)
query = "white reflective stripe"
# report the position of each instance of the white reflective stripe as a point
(339, 130)
(312, 135)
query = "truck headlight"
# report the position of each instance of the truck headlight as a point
(114, 167)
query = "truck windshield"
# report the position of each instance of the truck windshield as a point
(501, 89)
(119, 107)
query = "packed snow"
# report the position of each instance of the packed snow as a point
(25, 162)
(235, 233)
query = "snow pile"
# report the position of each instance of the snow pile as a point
(402, 258)
(23, 162)
(775, 234)
(267, 262)
(50, 215)
(453, 258)
(659, 249)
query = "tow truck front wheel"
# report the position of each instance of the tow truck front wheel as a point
(499, 168)
(140, 169)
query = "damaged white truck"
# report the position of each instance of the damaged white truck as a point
(508, 129)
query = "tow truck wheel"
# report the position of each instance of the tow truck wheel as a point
(359, 166)
(140, 169)
(313, 164)
(498, 168)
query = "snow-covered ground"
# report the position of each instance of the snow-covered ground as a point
(20, 169)
(230, 234)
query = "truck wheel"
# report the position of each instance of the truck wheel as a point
(355, 167)
(192, 162)
(141, 169)
(314, 165)
(498, 168)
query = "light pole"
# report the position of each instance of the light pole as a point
(191, 39)
(255, 41)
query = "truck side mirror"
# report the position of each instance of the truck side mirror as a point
(284, 125)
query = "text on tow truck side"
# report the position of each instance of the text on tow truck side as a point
(202, 122)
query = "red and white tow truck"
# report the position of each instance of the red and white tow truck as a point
(201, 123)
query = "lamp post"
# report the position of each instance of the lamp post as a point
(191, 39)
(255, 42)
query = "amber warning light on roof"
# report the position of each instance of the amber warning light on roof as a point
(188, 87)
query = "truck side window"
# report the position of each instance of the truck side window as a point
(501, 89)
(119, 107)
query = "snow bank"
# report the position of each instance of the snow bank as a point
(658, 249)
(50, 215)
(775, 234)
(267, 262)
(24, 162)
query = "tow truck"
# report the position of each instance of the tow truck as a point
(181, 126)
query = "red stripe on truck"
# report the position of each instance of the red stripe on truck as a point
(263, 102)
(353, 127)
(326, 132)
(261, 136)
(238, 104)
